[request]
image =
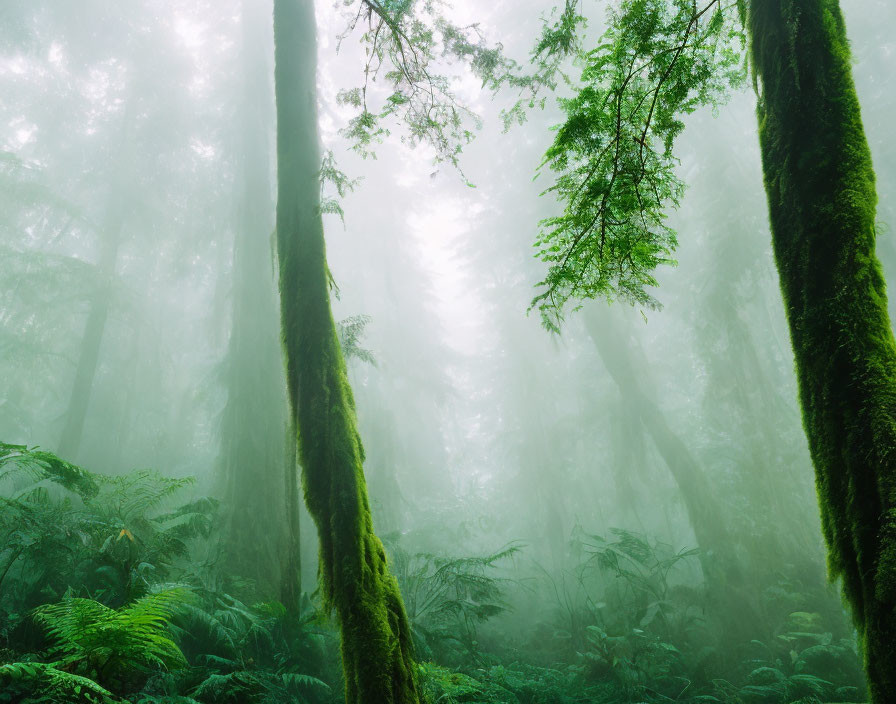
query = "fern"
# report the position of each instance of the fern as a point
(46, 680)
(249, 651)
(39, 465)
(133, 495)
(447, 687)
(115, 643)
(447, 597)
(351, 332)
(259, 686)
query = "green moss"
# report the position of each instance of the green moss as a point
(821, 192)
(354, 577)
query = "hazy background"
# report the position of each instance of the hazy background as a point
(480, 427)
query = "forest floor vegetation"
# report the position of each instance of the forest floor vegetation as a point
(111, 591)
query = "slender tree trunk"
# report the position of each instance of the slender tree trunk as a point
(629, 451)
(98, 314)
(821, 193)
(616, 349)
(355, 580)
(253, 456)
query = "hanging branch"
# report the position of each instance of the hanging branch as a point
(657, 61)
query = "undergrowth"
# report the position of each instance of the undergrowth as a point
(109, 592)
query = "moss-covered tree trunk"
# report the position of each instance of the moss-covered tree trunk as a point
(821, 194)
(355, 580)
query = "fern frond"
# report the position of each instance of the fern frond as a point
(40, 465)
(58, 685)
(135, 636)
(295, 679)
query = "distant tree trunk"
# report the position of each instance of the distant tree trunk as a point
(629, 454)
(98, 314)
(354, 577)
(546, 475)
(821, 194)
(255, 418)
(616, 349)
(745, 400)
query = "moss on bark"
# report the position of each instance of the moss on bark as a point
(354, 577)
(821, 192)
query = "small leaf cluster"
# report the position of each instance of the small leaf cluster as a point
(332, 177)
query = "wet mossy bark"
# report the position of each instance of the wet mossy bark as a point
(821, 194)
(354, 577)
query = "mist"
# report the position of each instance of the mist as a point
(613, 501)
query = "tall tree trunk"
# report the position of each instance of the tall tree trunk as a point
(98, 314)
(629, 450)
(355, 580)
(821, 193)
(255, 418)
(723, 574)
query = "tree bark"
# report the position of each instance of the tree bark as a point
(723, 574)
(92, 340)
(354, 577)
(255, 418)
(822, 199)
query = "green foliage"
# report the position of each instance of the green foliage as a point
(261, 688)
(613, 154)
(40, 682)
(18, 460)
(638, 661)
(114, 535)
(632, 631)
(560, 38)
(99, 650)
(351, 332)
(447, 598)
(642, 593)
(252, 654)
(404, 41)
(331, 175)
(118, 539)
(115, 644)
(440, 684)
(635, 633)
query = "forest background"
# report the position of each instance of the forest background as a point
(127, 140)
